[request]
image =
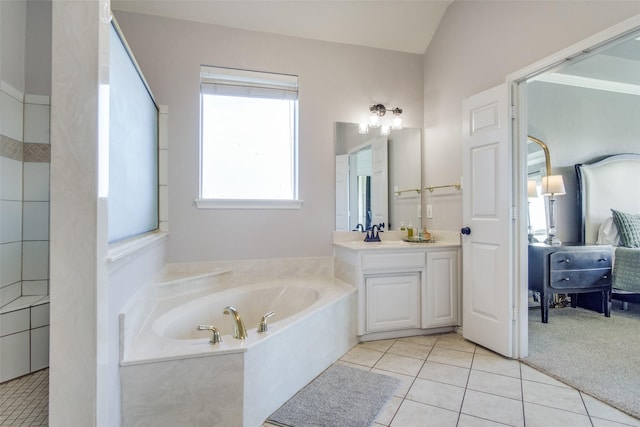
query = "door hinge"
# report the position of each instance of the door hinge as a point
(514, 313)
(513, 213)
(513, 111)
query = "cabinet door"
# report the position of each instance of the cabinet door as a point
(440, 305)
(392, 302)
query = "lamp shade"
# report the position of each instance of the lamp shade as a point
(532, 190)
(553, 185)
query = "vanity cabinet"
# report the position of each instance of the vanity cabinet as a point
(392, 302)
(403, 290)
(441, 300)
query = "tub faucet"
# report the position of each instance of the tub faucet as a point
(239, 331)
(263, 327)
(215, 333)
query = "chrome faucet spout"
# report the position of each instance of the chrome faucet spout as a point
(239, 331)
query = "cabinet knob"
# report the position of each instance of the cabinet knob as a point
(602, 259)
(567, 260)
(605, 277)
(566, 279)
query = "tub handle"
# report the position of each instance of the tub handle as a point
(263, 327)
(215, 333)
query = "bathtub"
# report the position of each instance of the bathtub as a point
(172, 375)
(252, 302)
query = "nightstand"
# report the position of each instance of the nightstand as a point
(570, 268)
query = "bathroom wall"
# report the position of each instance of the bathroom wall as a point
(90, 282)
(337, 83)
(477, 44)
(24, 193)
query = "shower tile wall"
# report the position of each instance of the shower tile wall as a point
(24, 232)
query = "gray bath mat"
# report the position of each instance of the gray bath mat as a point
(339, 397)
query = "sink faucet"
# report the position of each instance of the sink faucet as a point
(372, 235)
(239, 331)
(359, 227)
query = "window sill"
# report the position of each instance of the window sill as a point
(247, 204)
(120, 251)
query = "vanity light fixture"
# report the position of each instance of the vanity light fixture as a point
(377, 111)
(552, 185)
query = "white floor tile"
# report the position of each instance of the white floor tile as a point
(447, 374)
(545, 416)
(451, 357)
(387, 413)
(362, 356)
(409, 349)
(400, 364)
(562, 398)
(528, 373)
(455, 342)
(601, 410)
(414, 414)
(494, 408)
(500, 385)
(469, 421)
(405, 385)
(497, 365)
(436, 394)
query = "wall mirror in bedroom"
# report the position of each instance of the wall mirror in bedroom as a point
(378, 178)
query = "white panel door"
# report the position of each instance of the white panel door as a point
(486, 267)
(379, 181)
(342, 192)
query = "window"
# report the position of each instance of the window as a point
(133, 147)
(248, 133)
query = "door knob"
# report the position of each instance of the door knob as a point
(465, 230)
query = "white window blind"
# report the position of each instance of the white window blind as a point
(249, 84)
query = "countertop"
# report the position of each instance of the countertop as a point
(392, 240)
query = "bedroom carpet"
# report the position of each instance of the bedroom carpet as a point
(339, 397)
(597, 355)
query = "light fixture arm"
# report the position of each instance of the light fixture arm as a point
(380, 110)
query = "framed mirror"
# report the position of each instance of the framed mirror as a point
(378, 178)
(537, 161)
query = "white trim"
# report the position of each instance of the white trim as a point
(37, 99)
(519, 125)
(576, 50)
(247, 204)
(122, 250)
(11, 91)
(589, 83)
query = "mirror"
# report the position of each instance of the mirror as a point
(378, 178)
(536, 168)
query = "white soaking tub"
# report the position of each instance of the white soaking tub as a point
(172, 375)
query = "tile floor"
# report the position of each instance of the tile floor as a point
(25, 400)
(447, 381)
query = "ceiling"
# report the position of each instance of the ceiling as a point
(401, 25)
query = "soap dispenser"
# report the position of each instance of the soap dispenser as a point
(410, 231)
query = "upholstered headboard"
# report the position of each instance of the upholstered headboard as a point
(611, 183)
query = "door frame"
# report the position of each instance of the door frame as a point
(518, 93)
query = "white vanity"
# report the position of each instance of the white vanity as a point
(404, 288)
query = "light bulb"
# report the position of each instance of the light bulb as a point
(363, 128)
(374, 121)
(385, 130)
(397, 123)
